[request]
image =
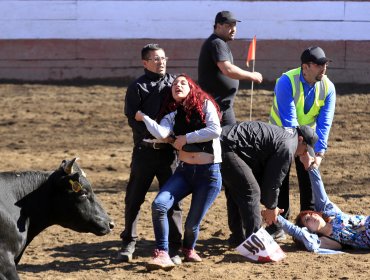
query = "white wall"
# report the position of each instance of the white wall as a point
(93, 19)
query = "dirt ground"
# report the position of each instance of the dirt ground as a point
(41, 125)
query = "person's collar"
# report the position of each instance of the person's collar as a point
(217, 36)
(303, 80)
(153, 76)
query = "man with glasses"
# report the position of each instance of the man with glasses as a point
(150, 158)
(304, 96)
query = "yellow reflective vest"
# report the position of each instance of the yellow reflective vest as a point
(321, 91)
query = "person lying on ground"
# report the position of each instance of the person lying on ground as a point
(328, 227)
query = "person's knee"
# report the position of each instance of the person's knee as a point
(159, 206)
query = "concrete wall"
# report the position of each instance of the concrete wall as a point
(85, 39)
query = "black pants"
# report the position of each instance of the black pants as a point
(306, 200)
(305, 191)
(146, 164)
(243, 196)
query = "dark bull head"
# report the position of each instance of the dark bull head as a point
(75, 205)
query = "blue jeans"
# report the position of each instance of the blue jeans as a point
(203, 182)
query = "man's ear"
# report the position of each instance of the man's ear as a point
(300, 139)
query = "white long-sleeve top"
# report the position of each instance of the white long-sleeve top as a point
(211, 132)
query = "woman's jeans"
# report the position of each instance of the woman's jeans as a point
(204, 182)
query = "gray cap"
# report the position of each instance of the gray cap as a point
(225, 17)
(309, 136)
(315, 55)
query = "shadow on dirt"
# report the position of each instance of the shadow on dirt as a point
(85, 256)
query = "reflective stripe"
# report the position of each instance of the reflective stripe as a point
(272, 121)
(275, 116)
(321, 90)
(275, 109)
(297, 90)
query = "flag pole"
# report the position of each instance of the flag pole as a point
(251, 105)
(251, 56)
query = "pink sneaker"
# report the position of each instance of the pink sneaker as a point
(191, 255)
(161, 260)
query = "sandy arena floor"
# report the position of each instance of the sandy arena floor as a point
(41, 125)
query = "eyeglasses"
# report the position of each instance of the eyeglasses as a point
(157, 59)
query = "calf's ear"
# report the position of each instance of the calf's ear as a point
(74, 182)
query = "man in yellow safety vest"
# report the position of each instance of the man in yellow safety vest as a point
(304, 96)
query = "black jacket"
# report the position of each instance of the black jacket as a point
(146, 94)
(267, 149)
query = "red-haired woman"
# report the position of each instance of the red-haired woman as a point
(193, 124)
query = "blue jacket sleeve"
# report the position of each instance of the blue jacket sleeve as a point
(310, 240)
(322, 201)
(285, 102)
(325, 119)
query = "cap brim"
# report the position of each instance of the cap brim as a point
(231, 21)
(322, 61)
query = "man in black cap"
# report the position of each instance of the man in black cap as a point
(217, 73)
(255, 160)
(218, 76)
(304, 96)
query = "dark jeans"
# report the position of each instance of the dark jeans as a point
(233, 215)
(146, 164)
(305, 191)
(243, 196)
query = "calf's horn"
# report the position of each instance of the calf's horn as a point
(69, 167)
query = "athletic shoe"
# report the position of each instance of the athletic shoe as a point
(276, 232)
(279, 235)
(176, 260)
(191, 255)
(161, 260)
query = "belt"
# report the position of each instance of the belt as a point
(154, 145)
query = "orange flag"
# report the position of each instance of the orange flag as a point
(251, 51)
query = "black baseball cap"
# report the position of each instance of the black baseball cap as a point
(225, 17)
(315, 55)
(309, 136)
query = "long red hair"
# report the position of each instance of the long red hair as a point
(193, 102)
